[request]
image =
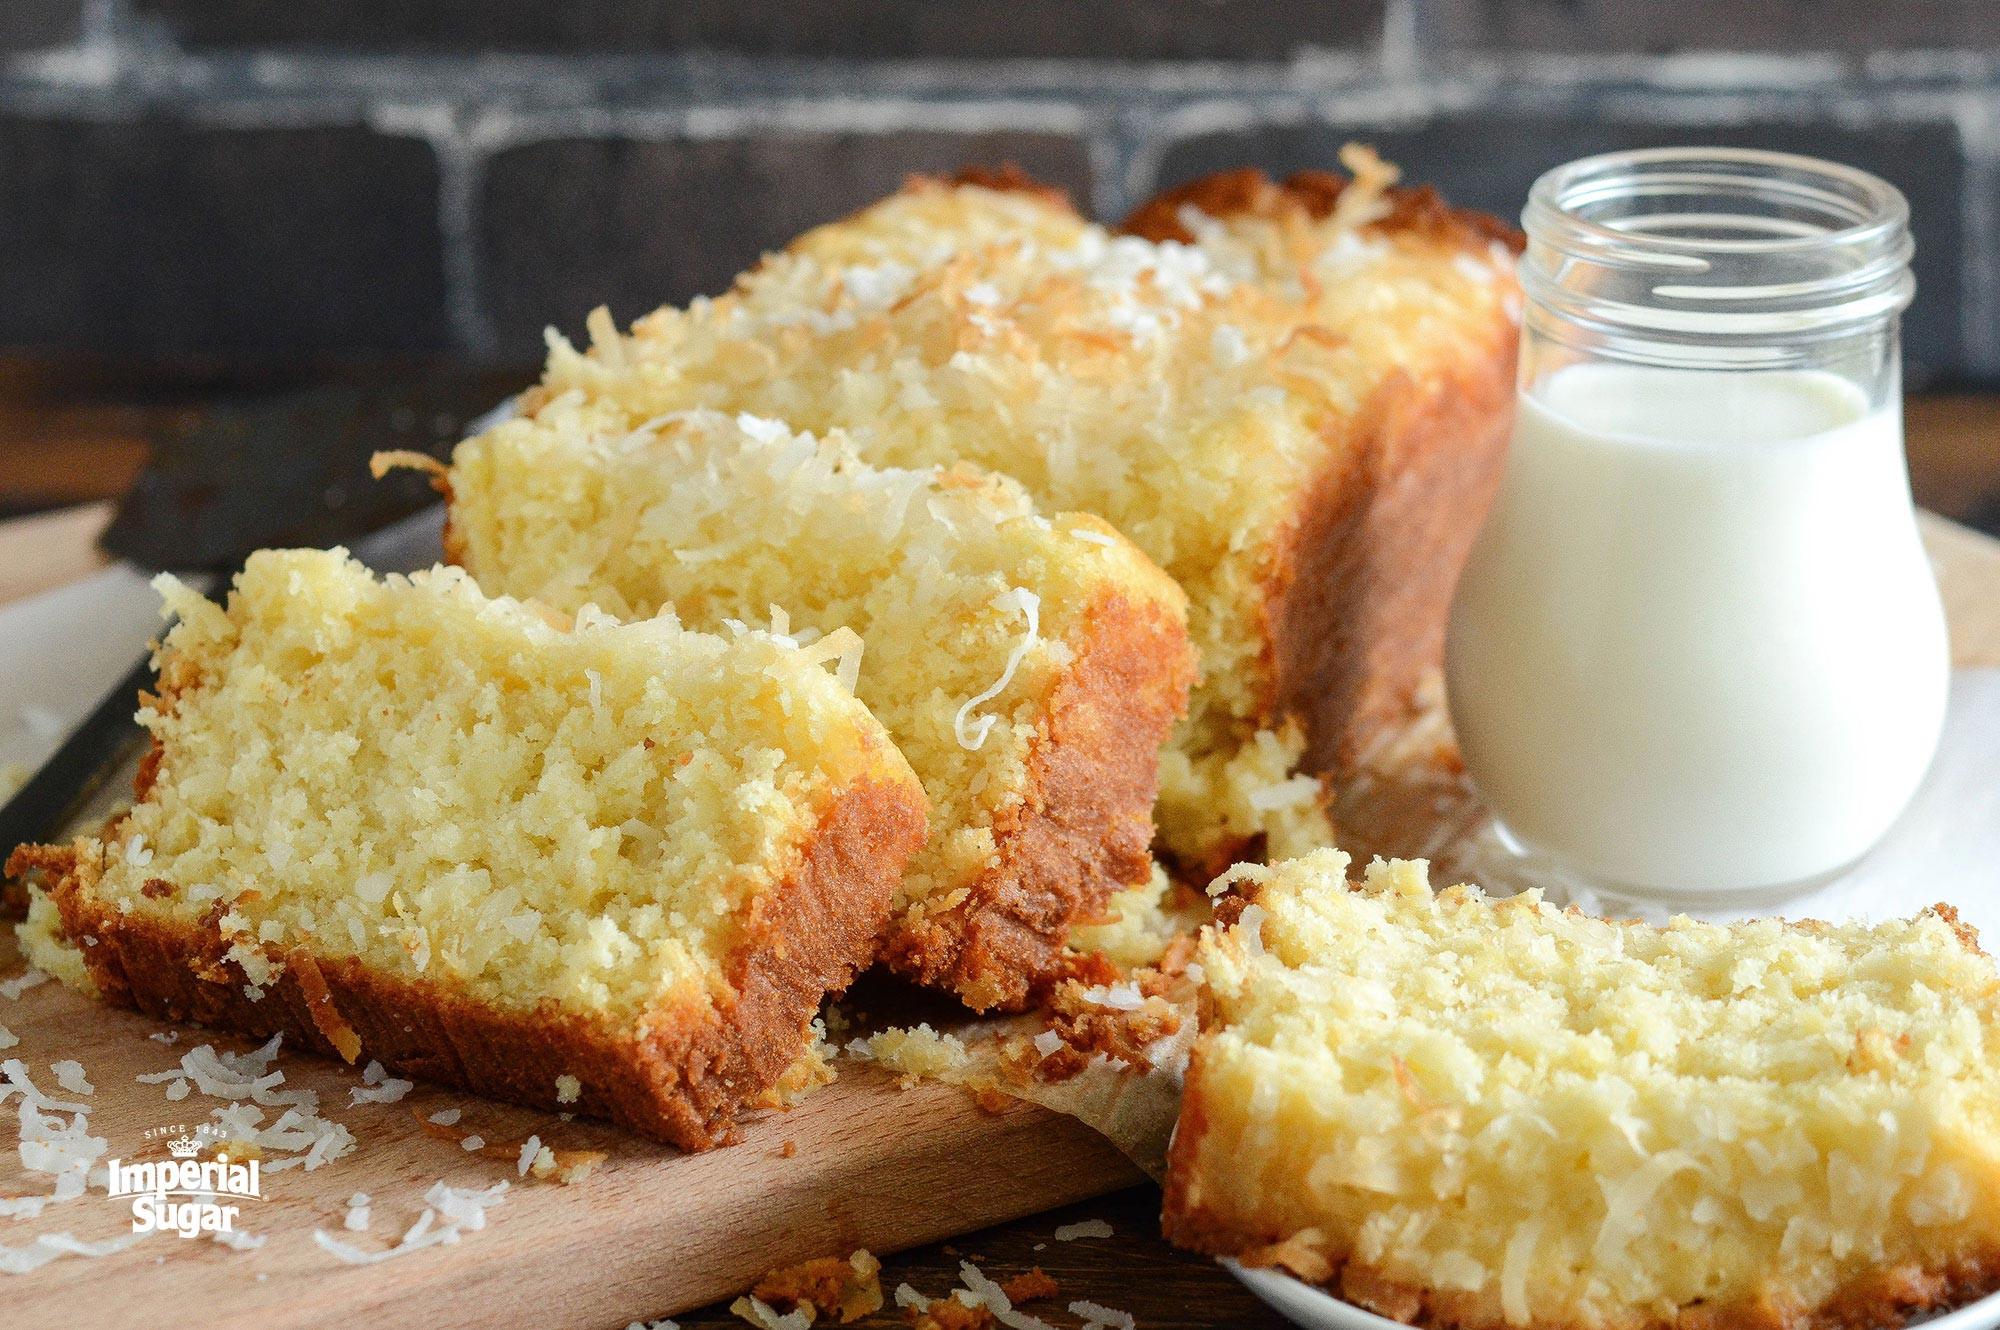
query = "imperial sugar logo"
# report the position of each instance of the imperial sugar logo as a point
(184, 1193)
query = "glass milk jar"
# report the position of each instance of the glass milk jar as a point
(1698, 652)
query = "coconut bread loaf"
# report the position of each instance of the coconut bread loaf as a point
(573, 864)
(1298, 480)
(1028, 667)
(1477, 1113)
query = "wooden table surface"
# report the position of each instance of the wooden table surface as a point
(72, 439)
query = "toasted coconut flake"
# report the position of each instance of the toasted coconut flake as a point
(319, 1005)
(407, 459)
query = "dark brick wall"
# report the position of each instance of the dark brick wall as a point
(1110, 29)
(245, 179)
(29, 24)
(567, 224)
(157, 235)
(1677, 25)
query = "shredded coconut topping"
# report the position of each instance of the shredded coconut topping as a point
(229, 1075)
(448, 1211)
(54, 1139)
(973, 734)
(1250, 929)
(843, 645)
(1118, 997)
(69, 1075)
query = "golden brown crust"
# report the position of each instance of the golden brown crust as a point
(1007, 177)
(1083, 825)
(1359, 591)
(1247, 191)
(701, 1059)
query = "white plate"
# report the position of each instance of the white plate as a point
(1304, 1305)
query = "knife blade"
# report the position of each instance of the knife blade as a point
(290, 468)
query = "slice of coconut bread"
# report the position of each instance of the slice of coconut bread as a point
(489, 845)
(1028, 667)
(1478, 1113)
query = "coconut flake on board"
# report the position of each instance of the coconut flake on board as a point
(41, 1250)
(12, 989)
(448, 1211)
(1088, 1228)
(54, 1139)
(378, 1087)
(1096, 1316)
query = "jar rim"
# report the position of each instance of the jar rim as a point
(1879, 209)
(1701, 243)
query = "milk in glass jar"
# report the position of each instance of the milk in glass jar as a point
(1698, 653)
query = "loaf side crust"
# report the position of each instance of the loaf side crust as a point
(1360, 587)
(699, 1061)
(1084, 824)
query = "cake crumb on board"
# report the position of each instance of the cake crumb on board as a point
(847, 1287)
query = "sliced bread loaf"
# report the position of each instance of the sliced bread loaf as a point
(1028, 667)
(1478, 1113)
(1308, 486)
(614, 867)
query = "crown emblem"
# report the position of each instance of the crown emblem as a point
(184, 1147)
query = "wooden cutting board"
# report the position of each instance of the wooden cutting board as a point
(649, 1233)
